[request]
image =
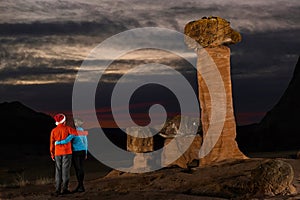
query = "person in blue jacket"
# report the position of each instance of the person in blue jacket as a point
(79, 148)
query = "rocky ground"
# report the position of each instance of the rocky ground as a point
(239, 179)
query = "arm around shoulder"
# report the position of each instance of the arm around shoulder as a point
(65, 141)
(77, 132)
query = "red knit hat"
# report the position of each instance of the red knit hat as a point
(59, 118)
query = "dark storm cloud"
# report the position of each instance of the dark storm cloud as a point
(268, 54)
(47, 40)
(58, 28)
(15, 60)
(24, 61)
(33, 73)
(251, 16)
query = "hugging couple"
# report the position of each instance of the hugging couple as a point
(66, 145)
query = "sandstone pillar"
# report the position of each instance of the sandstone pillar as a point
(214, 34)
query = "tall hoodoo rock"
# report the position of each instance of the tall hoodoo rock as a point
(212, 35)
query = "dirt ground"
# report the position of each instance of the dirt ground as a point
(162, 184)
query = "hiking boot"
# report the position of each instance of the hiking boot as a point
(66, 192)
(56, 193)
(79, 189)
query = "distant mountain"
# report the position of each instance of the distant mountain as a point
(23, 130)
(27, 132)
(280, 128)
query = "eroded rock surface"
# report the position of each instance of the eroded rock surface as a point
(213, 34)
(175, 148)
(210, 32)
(178, 132)
(273, 177)
(236, 179)
(139, 140)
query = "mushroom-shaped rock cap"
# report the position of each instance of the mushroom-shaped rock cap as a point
(210, 32)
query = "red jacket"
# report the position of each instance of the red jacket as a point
(60, 133)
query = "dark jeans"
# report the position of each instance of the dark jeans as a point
(62, 171)
(78, 159)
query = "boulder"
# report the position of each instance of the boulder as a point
(210, 32)
(273, 177)
(139, 140)
(248, 179)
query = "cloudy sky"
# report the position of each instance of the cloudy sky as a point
(43, 44)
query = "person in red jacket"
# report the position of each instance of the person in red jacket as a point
(62, 154)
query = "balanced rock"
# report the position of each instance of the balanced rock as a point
(179, 131)
(209, 36)
(187, 156)
(189, 126)
(140, 140)
(210, 32)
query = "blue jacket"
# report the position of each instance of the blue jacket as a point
(79, 143)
